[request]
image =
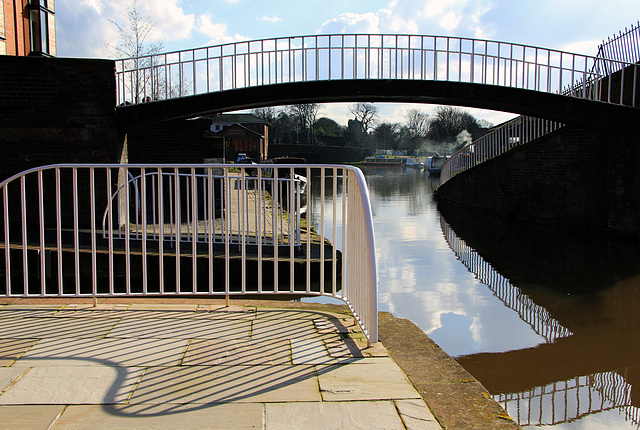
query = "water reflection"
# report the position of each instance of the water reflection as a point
(549, 322)
(581, 293)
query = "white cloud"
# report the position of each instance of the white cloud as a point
(450, 21)
(171, 20)
(352, 23)
(272, 19)
(217, 32)
(586, 47)
(94, 4)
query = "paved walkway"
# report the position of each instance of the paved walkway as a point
(196, 366)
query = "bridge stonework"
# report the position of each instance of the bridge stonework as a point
(573, 178)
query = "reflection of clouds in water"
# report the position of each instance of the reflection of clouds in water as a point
(421, 279)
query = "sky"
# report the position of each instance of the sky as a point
(84, 28)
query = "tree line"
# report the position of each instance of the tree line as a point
(446, 130)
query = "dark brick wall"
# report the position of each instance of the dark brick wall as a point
(56, 110)
(573, 178)
(319, 153)
(174, 142)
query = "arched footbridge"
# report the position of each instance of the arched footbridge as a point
(545, 83)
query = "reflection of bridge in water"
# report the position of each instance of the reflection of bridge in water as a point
(572, 399)
(543, 400)
(536, 316)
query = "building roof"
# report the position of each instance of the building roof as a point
(237, 126)
(235, 118)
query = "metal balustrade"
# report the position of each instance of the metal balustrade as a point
(369, 56)
(507, 136)
(189, 230)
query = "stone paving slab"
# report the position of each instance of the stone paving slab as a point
(332, 415)
(77, 385)
(238, 352)
(375, 380)
(228, 384)
(416, 415)
(279, 329)
(314, 351)
(28, 311)
(168, 416)
(87, 310)
(11, 349)
(32, 417)
(9, 374)
(197, 366)
(113, 352)
(296, 315)
(29, 328)
(163, 328)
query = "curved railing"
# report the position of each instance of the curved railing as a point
(186, 230)
(501, 139)
(368, 56)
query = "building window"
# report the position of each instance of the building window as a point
(39, 26)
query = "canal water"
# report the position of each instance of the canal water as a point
(547, 321)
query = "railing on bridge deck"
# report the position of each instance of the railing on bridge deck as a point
(503, 138)
(368, 56)
(189, 230)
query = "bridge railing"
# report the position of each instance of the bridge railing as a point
(507, 136)
(366, 56)
(189, 230)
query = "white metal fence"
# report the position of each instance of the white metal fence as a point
(507, 136)
(150, 230)
(370, 56)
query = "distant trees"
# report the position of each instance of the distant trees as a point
(446, 130)
(448, 122)
(267, 114)
(417, 123)
(326, 127)
(366, 114)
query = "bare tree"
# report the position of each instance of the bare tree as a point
(134, 45)
(417, 123)
(306, 115)
(267, 114)
(366, 114)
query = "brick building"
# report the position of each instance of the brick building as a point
(243, 133)
(27, 27)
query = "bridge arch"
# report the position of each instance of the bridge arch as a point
(522, 79)
(570, 110)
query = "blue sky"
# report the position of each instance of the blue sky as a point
(84, 27)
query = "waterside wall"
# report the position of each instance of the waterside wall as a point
(573, 178)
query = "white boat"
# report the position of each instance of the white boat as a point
(414, 163)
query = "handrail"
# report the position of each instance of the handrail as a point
(501, 139)
(366, 56)
(75, 231)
